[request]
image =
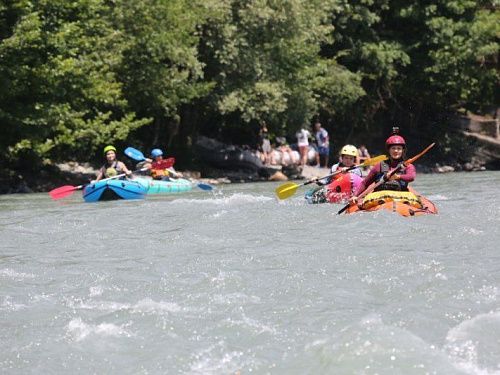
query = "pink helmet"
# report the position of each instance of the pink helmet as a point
(395, 139)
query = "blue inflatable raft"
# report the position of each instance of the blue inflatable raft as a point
(113, 189)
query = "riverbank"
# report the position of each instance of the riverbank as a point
(74, 173)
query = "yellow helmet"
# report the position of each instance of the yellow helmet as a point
(109, 148)
(349, 150)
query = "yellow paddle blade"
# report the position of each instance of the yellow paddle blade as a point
(286, 190)
(373, 161)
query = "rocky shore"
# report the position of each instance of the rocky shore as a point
(476, 141)
(74, 173)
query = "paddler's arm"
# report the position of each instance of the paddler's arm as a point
(124, 168)
(100, 175)
(409, 175)
(173, 173)
(367, 181)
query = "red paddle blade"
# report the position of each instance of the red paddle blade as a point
(170, 162)
(163, 164)
(62, 191)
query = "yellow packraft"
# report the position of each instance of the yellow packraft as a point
(383, 196)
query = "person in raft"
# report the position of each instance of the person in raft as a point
(112, 166)
(396, 147)
(164, 174)
(348, 155)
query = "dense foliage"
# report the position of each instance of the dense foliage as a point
(76, 75)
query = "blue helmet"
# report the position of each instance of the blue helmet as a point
(156, 152)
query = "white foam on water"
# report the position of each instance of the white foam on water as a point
(474, 344)
(218, 214)
(252, 324)
(17, 276)
(472, 231)
(437, 197)
(147, 305)
(231, 200)
(78, 330)
(233, 298)
(370, 346)
(95, 291)
(216, 359)
(489, 293)
(8, 305)
(144, 306)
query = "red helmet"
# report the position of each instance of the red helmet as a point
(395, 140)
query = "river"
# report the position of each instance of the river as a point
(236, 282)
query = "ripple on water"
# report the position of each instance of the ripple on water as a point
(14, 275)
(144, 306)
(78, 330)
(239, 281)
(218, 359)
(370, 347)
(474, 344)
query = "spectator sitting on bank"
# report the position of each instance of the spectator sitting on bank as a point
(363, 155)
(287, 154)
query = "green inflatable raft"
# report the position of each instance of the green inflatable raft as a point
(173, 186)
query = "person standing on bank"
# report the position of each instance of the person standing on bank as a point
(323, 142)
(303, 144)
(265, 144)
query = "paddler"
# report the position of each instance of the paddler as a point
(396, 148)
(112, 166)
(348, 155)
(157, 172)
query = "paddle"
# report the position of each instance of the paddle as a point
(201, 185)
(162, 164)
(139, 156)
(289, 188)
(391, 173)
(66, 190)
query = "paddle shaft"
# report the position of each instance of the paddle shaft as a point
(339, 171)
(114, 177)
(288, 189)
(366, 163)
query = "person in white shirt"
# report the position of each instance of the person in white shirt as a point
(303, 144)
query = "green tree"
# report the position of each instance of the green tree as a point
(59, 94)
(161, 71)
(265, 59)
(455, 57)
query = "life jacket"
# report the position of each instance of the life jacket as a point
(396, 185)
(111, 171)
(159, 174)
